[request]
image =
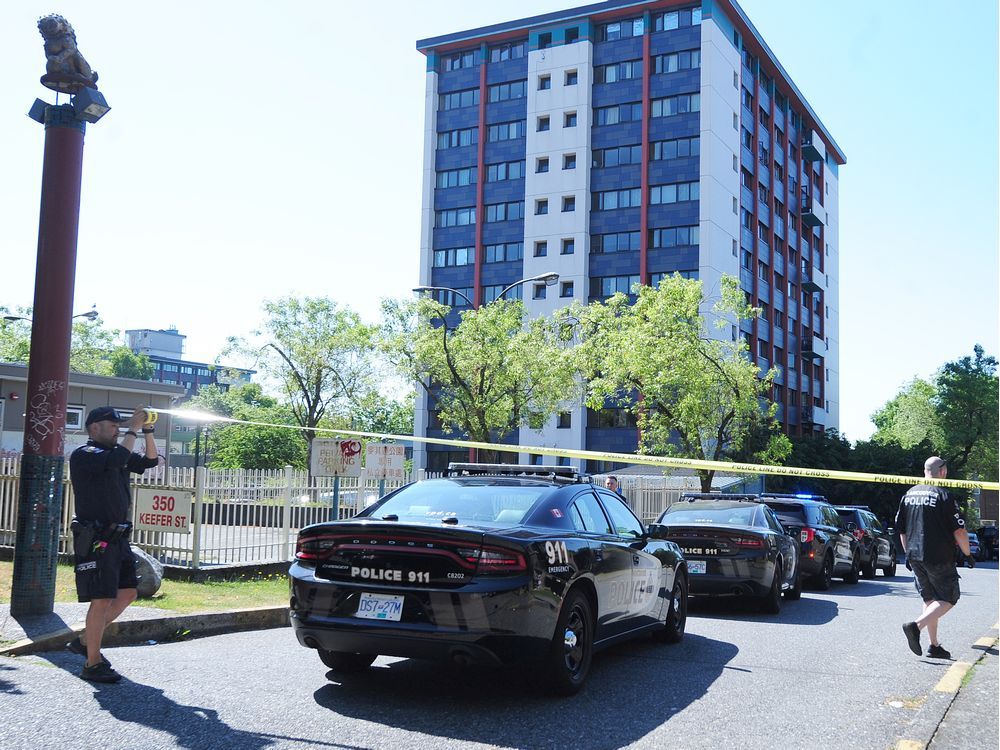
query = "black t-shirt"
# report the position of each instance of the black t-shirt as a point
(928, 518)
(100, 481)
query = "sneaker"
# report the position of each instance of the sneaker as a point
(938, 652)
(912, 633)
(100, 672)
(76, 646)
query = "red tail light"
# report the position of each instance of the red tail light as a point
(859, 534)
(315, 547)
(807, 535)
(494, 560)
(748, 542)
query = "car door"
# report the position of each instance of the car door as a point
(642, 600)
(882, 544)
(843, 539)
(787, 546)
(612, 567)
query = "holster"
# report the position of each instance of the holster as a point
(84, 535)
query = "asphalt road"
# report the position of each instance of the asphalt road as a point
(831, 670)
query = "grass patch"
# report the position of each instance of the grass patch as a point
(178, 596)
(967, 677)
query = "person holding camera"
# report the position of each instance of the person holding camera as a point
(105, 566)
(929, 527)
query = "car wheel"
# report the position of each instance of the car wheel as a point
(771, 603)
(572, 646)
(854, 573)
(870, 569)
(825, 577)
(345, 663)
(889, 571)
(795, 592)
(673, 629)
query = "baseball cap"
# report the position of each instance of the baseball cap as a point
(105, 414)
(934, 463)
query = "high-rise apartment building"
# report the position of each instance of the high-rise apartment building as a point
(619, 142)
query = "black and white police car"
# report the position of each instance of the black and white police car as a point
(492, 564)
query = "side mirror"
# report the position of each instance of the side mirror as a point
(851, 526)
(656, 531)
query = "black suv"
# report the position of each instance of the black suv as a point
(875, 543)
(828, 549)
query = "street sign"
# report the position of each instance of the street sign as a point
(163, 510)
(384, 461)
(336, 458)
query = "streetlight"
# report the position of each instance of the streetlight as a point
(422, 289)
(549, 278)
(90, 315)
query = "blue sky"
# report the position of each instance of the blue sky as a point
(259, 149)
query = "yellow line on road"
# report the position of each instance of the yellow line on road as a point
(952, 679)
(987, 642)
(909, 745)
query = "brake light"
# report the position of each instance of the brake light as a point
(748, 542)
(807, 535)
(494, 560)
(315, 547)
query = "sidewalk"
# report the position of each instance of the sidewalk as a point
(971, 722)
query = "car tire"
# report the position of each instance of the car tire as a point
(825, 578)
(771, 603)
(346, 663)
(795, 592)
(854, 574)
(889, 571)
(869, 570)
(572, 648)
(673, 629)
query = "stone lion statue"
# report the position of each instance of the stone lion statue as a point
(66, 67)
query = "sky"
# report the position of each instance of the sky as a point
(256, 150)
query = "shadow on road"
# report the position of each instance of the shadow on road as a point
(497, 707)
(6, 686)
(805, 611)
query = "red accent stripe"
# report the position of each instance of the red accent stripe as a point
(480, 181)
(644, 199)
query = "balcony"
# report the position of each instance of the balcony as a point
(813, 214)
(812, 147)
(778, 338)
(763, 291)
(806, 416)
(808, 285)
(746, 279)
(813, 348)
(746, 198)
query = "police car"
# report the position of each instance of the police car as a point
(491, 564)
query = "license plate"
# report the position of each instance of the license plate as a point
(696, 566)
(380, 607)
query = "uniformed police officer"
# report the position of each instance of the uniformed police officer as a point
(105, 566)
(929, 528)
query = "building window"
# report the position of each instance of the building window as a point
(572, 35)
(505, 211)
(607, 286)
(612, 199)
(456, 138)
(629, 112)
(545, 40)
(572, 77)
(618, 242)
(541, 164)
(74, 417)
(568, 203)
(492, 293)
(459, 99)
(673, 237)
(506, 131)
(510, 170)
(568, 246)
(566, 289)
(569, 162)
(456, 256)
(454, 217)
(569, 120)
(460, 60)
(565, 420)
(614, 157)
(502, 92)
(541, 249)
(538, 291)
(676, 193)
(451, 299)
(544, 83)
(543, 124)
(456, 177)
(656, 278)
(610, 32)
(611, 417)
(507, 52)
(541, 206)
(503, 252)
(675, 148)
(675, 105)
(619, 71)
(671, 63)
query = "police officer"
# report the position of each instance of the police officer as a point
(105, 566)
(929, 527)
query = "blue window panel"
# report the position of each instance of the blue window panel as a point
(620, 92)
(503, 192)
(676, 126)
(612, 439)
(501, 273)
(622, 134)
(674, 170)
(512, 109)
(505, 151)
(506, 70)
(616, 264)
(671, 84)
(503, 231)
(619, 50)
(673, 259)
(454, 119)
(674, 40)
(455, 158)
(619, 220)
(454, 197)
(445, 237)
(614, 178)
(456, 80)
(456, 277)
(674, 214)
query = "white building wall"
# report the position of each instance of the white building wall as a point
(719, 223)
(553, 186)
(831, 269)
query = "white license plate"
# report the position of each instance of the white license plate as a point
(696, 566)
(380, 607)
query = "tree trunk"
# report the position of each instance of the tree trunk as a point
(706, 479)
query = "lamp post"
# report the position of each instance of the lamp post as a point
(90, 315)
(421, 289)
(41, 487)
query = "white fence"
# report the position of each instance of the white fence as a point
(244, 516)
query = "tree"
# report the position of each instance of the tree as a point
(319, 354)
(491, 374)
(693, 395)
(909, 417)
(125, 363)
(374, 412)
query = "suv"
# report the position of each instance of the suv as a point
(828, 549)
(875, 544)
(989, 543)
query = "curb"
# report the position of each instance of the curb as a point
(920, 732)
(174, 627)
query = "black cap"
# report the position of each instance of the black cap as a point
(105, 414)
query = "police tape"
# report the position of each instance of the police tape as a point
(663, 462)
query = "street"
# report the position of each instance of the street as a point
(831, 670)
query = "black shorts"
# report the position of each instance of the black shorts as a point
(936, 582)
(101, 575)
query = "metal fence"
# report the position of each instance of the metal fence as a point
(247, 516)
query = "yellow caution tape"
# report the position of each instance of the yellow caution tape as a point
(664, 462)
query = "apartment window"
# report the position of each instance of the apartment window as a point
(543, 124)
(610, 32)
(506, 131)
(609, 200)
(541, 206)
(566, 289)
(568, 203)
(505, 211)
(676, 19)
(503, 252)
(736, 121)
(455, 256)
(507, 52)
(676, 193)
(629, 112)
(616, 242)
(673, 237)
(569, 120)
(541, 164)
(456, 138)
(541, 249)
(451, 299)
(565, 420)
(458, 99)
(607, 286)
(614, 157)
(572, 77)
(568, 246)
(509, 170)
(492, 293)
(74, 417)
(544, 83)
(456, 177)
(736, 80)
(734, 248)
(671, 63)
(455, 217)
(545, 40)
(619, 71)
(656, 278)
(736, 207)
(569, 162)
(611, 417)
(538, 291)
(676, 148)
(461, 60)
(676, 105)
(502, 92)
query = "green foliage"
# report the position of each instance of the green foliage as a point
(125, 363)
(909, 417)
(493, 373)
(374, 412)
(700, 396)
